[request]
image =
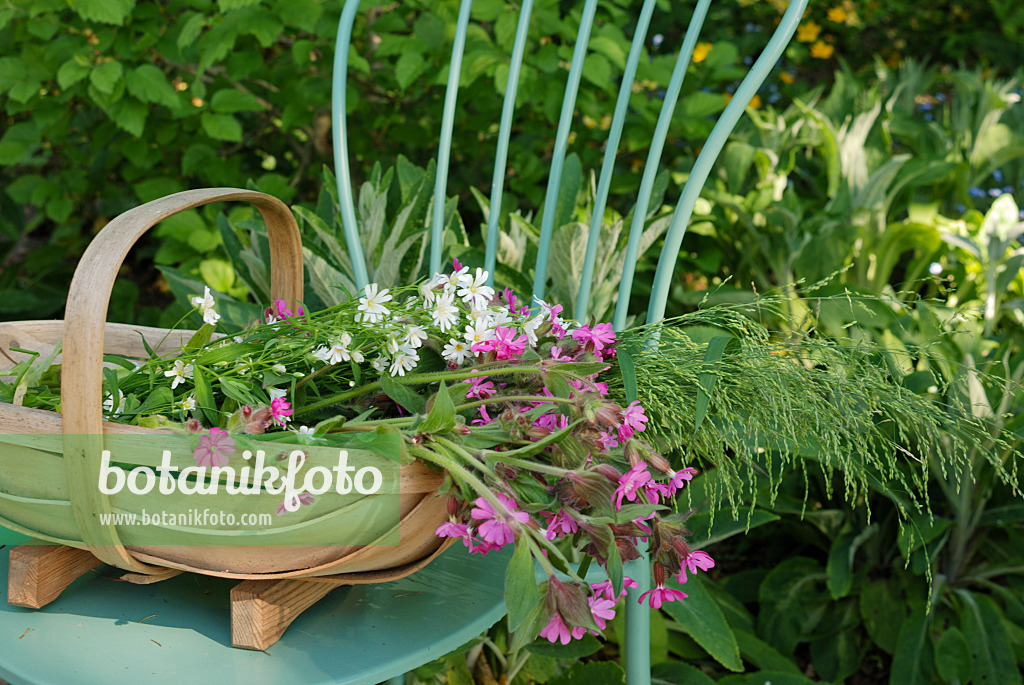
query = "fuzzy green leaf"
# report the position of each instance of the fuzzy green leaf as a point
(147, 83)
(204, 397)
(441, 418)
(990, 648)
(406, 397)
(953, 657)
(521, 594)
(105, 76)
(912, 659)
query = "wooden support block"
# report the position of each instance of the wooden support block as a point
(261, 610)
(39, 573)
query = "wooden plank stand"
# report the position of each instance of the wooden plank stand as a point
(261, 610)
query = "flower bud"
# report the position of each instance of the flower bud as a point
(609, 472)
(603, 413)
(246, 411)
(570, 600)
(193, 426)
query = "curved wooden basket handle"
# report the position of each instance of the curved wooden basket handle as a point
(84, 319)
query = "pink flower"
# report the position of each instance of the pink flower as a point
(633, 419)
(452, 530)
(695, 560)
(560, 524)
(557, 631)
(281, 410)
(604, 588)
(661, 594)
(498, 526)
(599, 337)
(480, 387)
(510, 297)
(303, 498)
(280, 312)
(552, 421)
(630, 482)
(484, 419)
(505, 344)
(603, 610)
(214, 449)
(677, 479)
(607, 441)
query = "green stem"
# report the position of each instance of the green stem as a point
(532, 466)
(444, 461)
(513, 398)
(339, 397)
(464, 453)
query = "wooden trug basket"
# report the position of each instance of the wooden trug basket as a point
(51, 494)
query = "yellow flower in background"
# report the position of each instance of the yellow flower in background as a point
(822, 50)
(755, 102)
(808, 33)
(837, 15)
(786, 77)
(700, 52)
(589, 121)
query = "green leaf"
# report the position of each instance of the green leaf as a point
(991, 652)
(883, 611)
(230, 100)
(912, 658)
(200, 337)
(789, 598)
(953, 657)
(71, 72)
(18, 142)
(521, 594)
(678, 673)
(557, 385)
(103, 11)
(204, 397)
(158, 401)
(226, 353)
(840, 565)
(105, 76)
(762, 654)
(406, 397)
(706, 381)
(190, 31)
(238, 391)
(628, 371)
(129, 115)
(228, 5)
(222, 127)
(592, 673)
(147, 83)
(700, 617)
(441, 418)
(408, 67)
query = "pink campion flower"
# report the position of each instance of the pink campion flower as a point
(281, 410)
(560, 525)
(630, 483)
(607, 354)
(280, 312)
(695, 560)
(661, 594)
(552, 421)
(633, 420)
(505, 344)
(484, 419)
(480, 387)
(607, 441)
(603, 610)
(511, 298)
(655, 491)
(678, 479)
(456, 264)
(556, 355)
(557, 631)
(498, 526)
(604, 588)
(303, 498)
(598, 337)
(450, 529)
(214, 448)
(601, 388)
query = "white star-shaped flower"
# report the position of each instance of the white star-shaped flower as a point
(205, 305)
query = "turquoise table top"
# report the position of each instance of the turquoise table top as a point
(178, 631)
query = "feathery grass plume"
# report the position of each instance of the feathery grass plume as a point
(751, 404)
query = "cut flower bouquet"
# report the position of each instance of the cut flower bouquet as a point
(552, 435)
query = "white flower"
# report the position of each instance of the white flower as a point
(445, 313)
(404, 360)
(415, 336)
(530, 328)
(474, 289)
(338, 351)
(108, 403)
(478, 332)
(276, 393)
(179, 373)
(278, 368)
(456, 351)
(456, 279)
(302, 430)
(372, 304)
(189, 403)
(429, 289)
(498, 316)
(380, 364)
(205, 305)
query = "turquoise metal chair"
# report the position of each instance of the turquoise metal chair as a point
(637, 616)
